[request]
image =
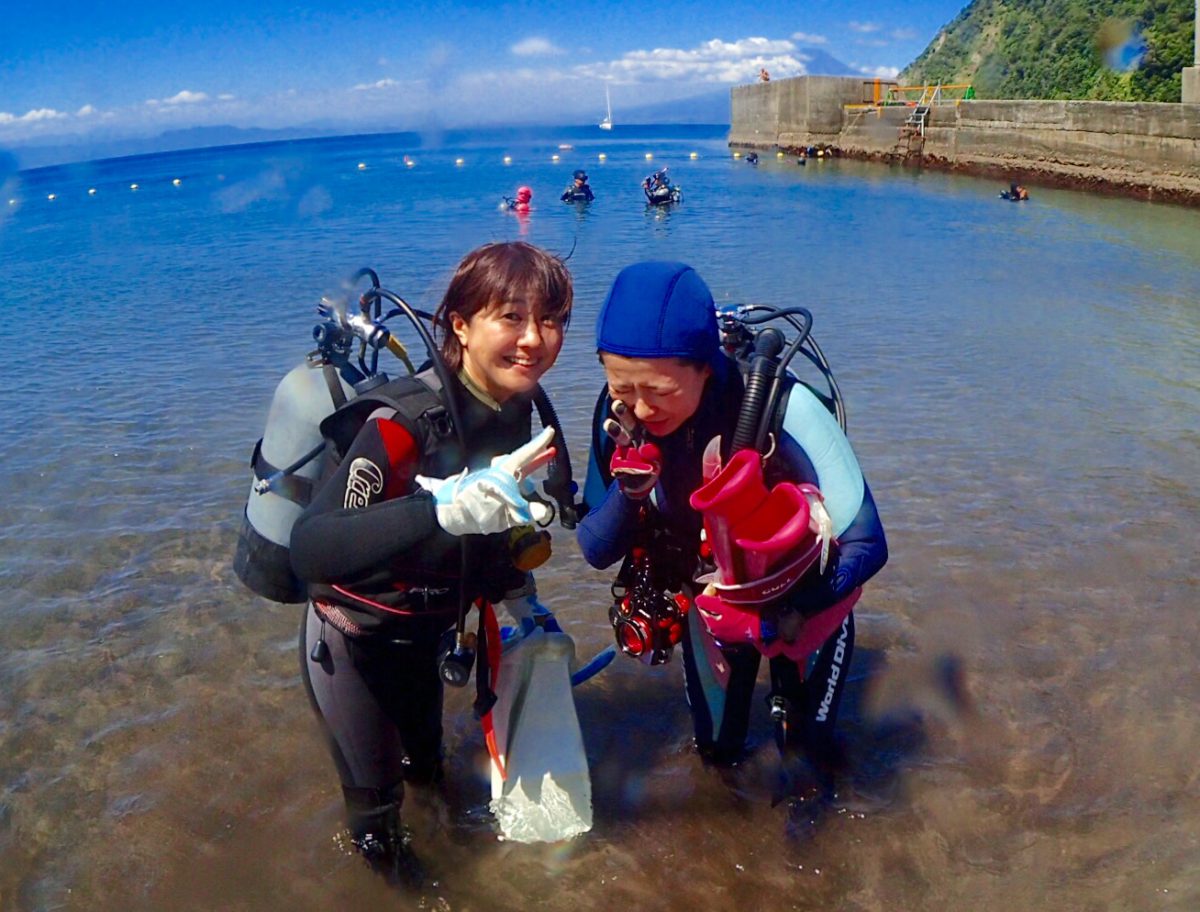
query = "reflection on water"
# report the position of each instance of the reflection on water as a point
(1022, 382)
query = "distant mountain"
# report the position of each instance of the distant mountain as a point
(714, 107)
(821, 63)
(1107, 50)
(91, 148)
(711, 107)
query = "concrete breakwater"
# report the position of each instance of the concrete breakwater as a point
(1144, 149)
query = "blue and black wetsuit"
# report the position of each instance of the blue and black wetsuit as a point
(720, 678)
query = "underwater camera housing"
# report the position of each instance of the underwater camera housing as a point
(646, 618)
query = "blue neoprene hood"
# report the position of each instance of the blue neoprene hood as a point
(658, 310)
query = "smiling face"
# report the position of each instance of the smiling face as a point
(503, 316)
(506, 347)
(662, 393)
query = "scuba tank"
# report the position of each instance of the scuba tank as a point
(285, 464)
(285, 461)
(285, 472)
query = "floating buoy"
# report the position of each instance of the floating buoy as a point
(91, 191)
(508, 159)
(410, 162)
(554, 157)
(693, 156)
(362, 166)
(737, 154)
(51, 196)
(177, 182)
(12, 202)
(649, 155)
(133, 186)
(603, 157)
(779, 154)
(458, 161)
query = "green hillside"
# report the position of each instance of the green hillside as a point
(1056, 49)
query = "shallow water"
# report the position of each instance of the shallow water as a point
(1023, 386)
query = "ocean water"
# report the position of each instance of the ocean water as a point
(1023, 390)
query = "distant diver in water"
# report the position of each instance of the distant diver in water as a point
(752, 158)
(579, 191)
(521, 203)
(659, 190)
(1015, 193)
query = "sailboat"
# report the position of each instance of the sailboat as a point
(606, 124)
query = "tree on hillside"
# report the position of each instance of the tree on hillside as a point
(1055, 49)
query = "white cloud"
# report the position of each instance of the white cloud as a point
(806, 38)
(378, 84)
(711, 61)
(904, 34)
(86, 111)
(864, 27)
(535, 47)
(38, 114)
(881, 72)
(226, 96)
(187, 96)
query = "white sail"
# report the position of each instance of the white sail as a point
(606, 124)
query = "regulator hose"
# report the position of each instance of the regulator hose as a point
(767, 346)
(558, 484)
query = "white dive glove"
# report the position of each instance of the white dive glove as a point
(494, 499)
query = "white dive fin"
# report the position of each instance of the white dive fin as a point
(544, 793)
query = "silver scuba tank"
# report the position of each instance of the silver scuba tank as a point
(286, 466)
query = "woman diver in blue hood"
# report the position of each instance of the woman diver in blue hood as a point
(793, 532)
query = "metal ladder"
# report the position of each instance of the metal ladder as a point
(912, 132)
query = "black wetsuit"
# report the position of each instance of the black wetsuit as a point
(581, 194)
(384, 586)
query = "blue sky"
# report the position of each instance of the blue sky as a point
(139, 68)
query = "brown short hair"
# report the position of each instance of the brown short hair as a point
(499, 272)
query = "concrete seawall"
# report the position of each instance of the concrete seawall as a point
(1143, 149)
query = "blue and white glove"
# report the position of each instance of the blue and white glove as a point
(492, 500)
